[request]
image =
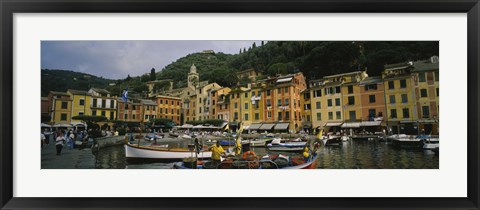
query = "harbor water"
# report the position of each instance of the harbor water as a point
(353, 154)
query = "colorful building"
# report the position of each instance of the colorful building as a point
(149, 109)
(80, 103)
(221, 104)
(402, 116)
(372, 94)
(248, 76)
(169, 107)
(426, 82)
(103, 104)
(129, 111)
(60, 107)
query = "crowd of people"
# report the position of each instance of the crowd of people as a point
(64, 138)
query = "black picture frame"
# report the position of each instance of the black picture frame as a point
(10, 7)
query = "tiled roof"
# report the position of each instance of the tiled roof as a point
(425, 65)
(371, 80)
(78, 92)
(344, 74)
(398, 65)
(147, 102)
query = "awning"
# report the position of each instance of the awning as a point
(187, 126)
(43, 125)
(281, 126)
(371, 123)
(333, 124)
(266, 126)
(351, 125)
(255, 126)
(285, 79)
(245, 127)
(62, 126)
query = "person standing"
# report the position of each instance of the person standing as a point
(217, 152)
(42, 139)
(71, 140)
(59, 143)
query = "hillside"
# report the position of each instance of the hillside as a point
(62, 80)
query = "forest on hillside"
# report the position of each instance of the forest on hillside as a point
(314, 59)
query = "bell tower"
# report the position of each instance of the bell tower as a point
(193, 78)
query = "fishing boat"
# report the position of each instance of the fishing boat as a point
(261, 142)
(415, 141)
(133, 151)
(429, 142)
(279, 162)
(286, 146)
(331, 140)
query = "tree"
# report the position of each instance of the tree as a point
(254, 45)
(152, 74)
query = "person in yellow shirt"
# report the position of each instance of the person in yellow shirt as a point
(217, 151)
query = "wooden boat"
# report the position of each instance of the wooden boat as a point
(331, 140)
(311, 163)
(133, 151)
(286, 146)
(261, 142)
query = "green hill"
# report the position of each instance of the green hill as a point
(62, 80)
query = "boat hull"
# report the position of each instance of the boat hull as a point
(142, 152)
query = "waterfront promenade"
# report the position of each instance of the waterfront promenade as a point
(70, 158)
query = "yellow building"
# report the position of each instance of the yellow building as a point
(221, 104)
(240, 105)
(400, 102)
(169, 107)
(103, 104)
(60, 107)
(351, 96)
(80, 103)
(426, 81)
(306, 110)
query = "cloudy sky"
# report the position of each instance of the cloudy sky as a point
(117, 59)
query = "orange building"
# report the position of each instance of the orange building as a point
(372, 93)
(130, 111)
(169, 108)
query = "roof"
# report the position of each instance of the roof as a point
(394, 77)
(344, 74)
(329, 84)
(425, 65)
(397, 65)
(78, 92)
(371, 80)
(147, 102)
(59, 93)
(285, 79)
(99, 90)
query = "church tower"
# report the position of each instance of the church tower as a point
(193, 78)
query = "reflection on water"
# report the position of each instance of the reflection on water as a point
(351, 155)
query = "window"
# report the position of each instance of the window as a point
(235, 115)
(253, 93)
(371, 87)
(318, 93)
(437, 76)
(126, 106)
(112, 116)
(81, 102)
(308, 118)
(80, 113)
(246, 117)
(269, 114)
(393, 113)
(350, 89)
(353, 115)
(161, 101)
(404, 98)
(172, 111)
(330, 115)
(279, 91)
(351, 100)
(94, 113)
(64, 105)
(392, 99)
(104, 103)
(148, 107)
(133, 116)
(268, 92)
(279, 102)
(329, 102)
(319, 116)
(235, 105)
(286, 90)
(112, 104)
(269, 103)
(161, 110)
(125, 117)
(403, 83)
(146, 117)
(371, 98)
(371, 114)
(318, 105)
(103, 113)
(246, 95)
(406, 113)
(94, 102)
(391, 85)
(337, 89)
(246, 105)
(423, 93)
(425, 111)
(337, 102)
(172, 102)
(63, 117)
(438, 91)
(339, 115)
(257, 116)
(287, 115)
(421, 77)
(286, 102)
(279, 116)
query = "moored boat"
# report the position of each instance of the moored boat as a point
(162, 153)
(286, 146)
(331, 140)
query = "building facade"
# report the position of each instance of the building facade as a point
(80, 103)
(426, 82)
(102, 103)
(169, 108)
(60, 107)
